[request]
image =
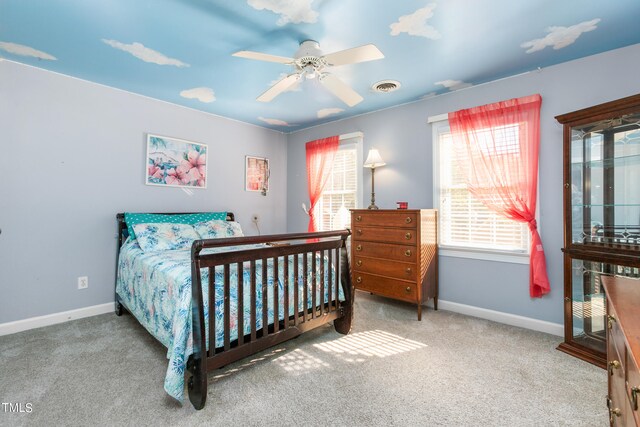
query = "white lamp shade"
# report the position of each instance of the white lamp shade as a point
(373, 159)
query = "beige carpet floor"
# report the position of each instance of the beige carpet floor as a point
(448, 370)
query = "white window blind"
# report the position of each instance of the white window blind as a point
(465, 223)
(341, 192)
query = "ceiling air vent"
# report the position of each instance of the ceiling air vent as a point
(385, 86)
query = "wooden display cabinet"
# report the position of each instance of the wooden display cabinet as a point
(602, 216)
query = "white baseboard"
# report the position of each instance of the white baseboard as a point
(501, 317)
(55, 318)
(469, 310)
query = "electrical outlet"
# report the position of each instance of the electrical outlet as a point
(255, 218)
(83, 282)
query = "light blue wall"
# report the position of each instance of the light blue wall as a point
(72, 156)
(403, 138)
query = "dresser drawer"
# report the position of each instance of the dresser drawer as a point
(615, 366)
(633, 388)
(616, 338)
(384, 250)
(383, 267)
(391, 235)
(385, 219)
(394, 288)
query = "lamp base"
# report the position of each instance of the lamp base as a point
(373, 193)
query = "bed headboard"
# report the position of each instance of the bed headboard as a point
(122, 226)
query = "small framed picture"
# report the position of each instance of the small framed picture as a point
(257, 174)
(173, 162)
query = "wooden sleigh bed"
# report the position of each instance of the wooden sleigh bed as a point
(308, 267)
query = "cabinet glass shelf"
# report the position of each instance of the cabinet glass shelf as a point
(627, 160)
(608, 205)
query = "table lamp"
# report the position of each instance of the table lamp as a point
(373, 161)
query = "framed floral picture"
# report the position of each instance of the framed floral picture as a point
(173, 162)
(257, 174)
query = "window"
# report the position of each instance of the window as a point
(343, 189)
(467, 227)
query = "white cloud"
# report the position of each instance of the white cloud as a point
(147, 55)
(325, 112)
(22, 50)
(202, 94)
(295, 11)
(274, 122)
(560, 37)
(454, 84)
(416, 24)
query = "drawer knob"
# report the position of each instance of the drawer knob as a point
(407, 236)
(359, 218)
(408, 270)
(610, 320)
(615, 412)
(359, 231)
(359, 248)
(408, 220)
(634, 397)
(407, 252)
(359, 279)
(408, 289)
(359, 262)
(614, 364)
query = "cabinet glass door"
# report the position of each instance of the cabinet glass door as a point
(605, 176)
(588, 300)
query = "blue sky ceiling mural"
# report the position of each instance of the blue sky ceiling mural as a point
(181, 51)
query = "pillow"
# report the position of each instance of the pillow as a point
(154, 237)
(218, 229)
(141, 218)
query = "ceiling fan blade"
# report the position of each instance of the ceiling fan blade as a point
(279, 87)
(340, 89)
(368, 52)
(263, 57)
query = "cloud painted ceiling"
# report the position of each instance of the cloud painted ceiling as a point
(180, 51)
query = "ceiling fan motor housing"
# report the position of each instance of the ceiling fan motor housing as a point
(309, 53)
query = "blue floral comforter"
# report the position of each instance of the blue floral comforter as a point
(156, 288)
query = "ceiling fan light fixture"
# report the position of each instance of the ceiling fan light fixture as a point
(310, 72)
(386, 86)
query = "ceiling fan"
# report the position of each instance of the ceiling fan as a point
(308, 61)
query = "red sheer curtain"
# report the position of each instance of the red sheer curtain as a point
(498, 145)
(320, 156)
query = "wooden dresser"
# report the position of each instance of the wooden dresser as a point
(394, 253)
(623, 349)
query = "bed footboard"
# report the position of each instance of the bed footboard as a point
(320, 272)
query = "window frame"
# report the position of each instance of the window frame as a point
(439, 124)
(354, 139)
